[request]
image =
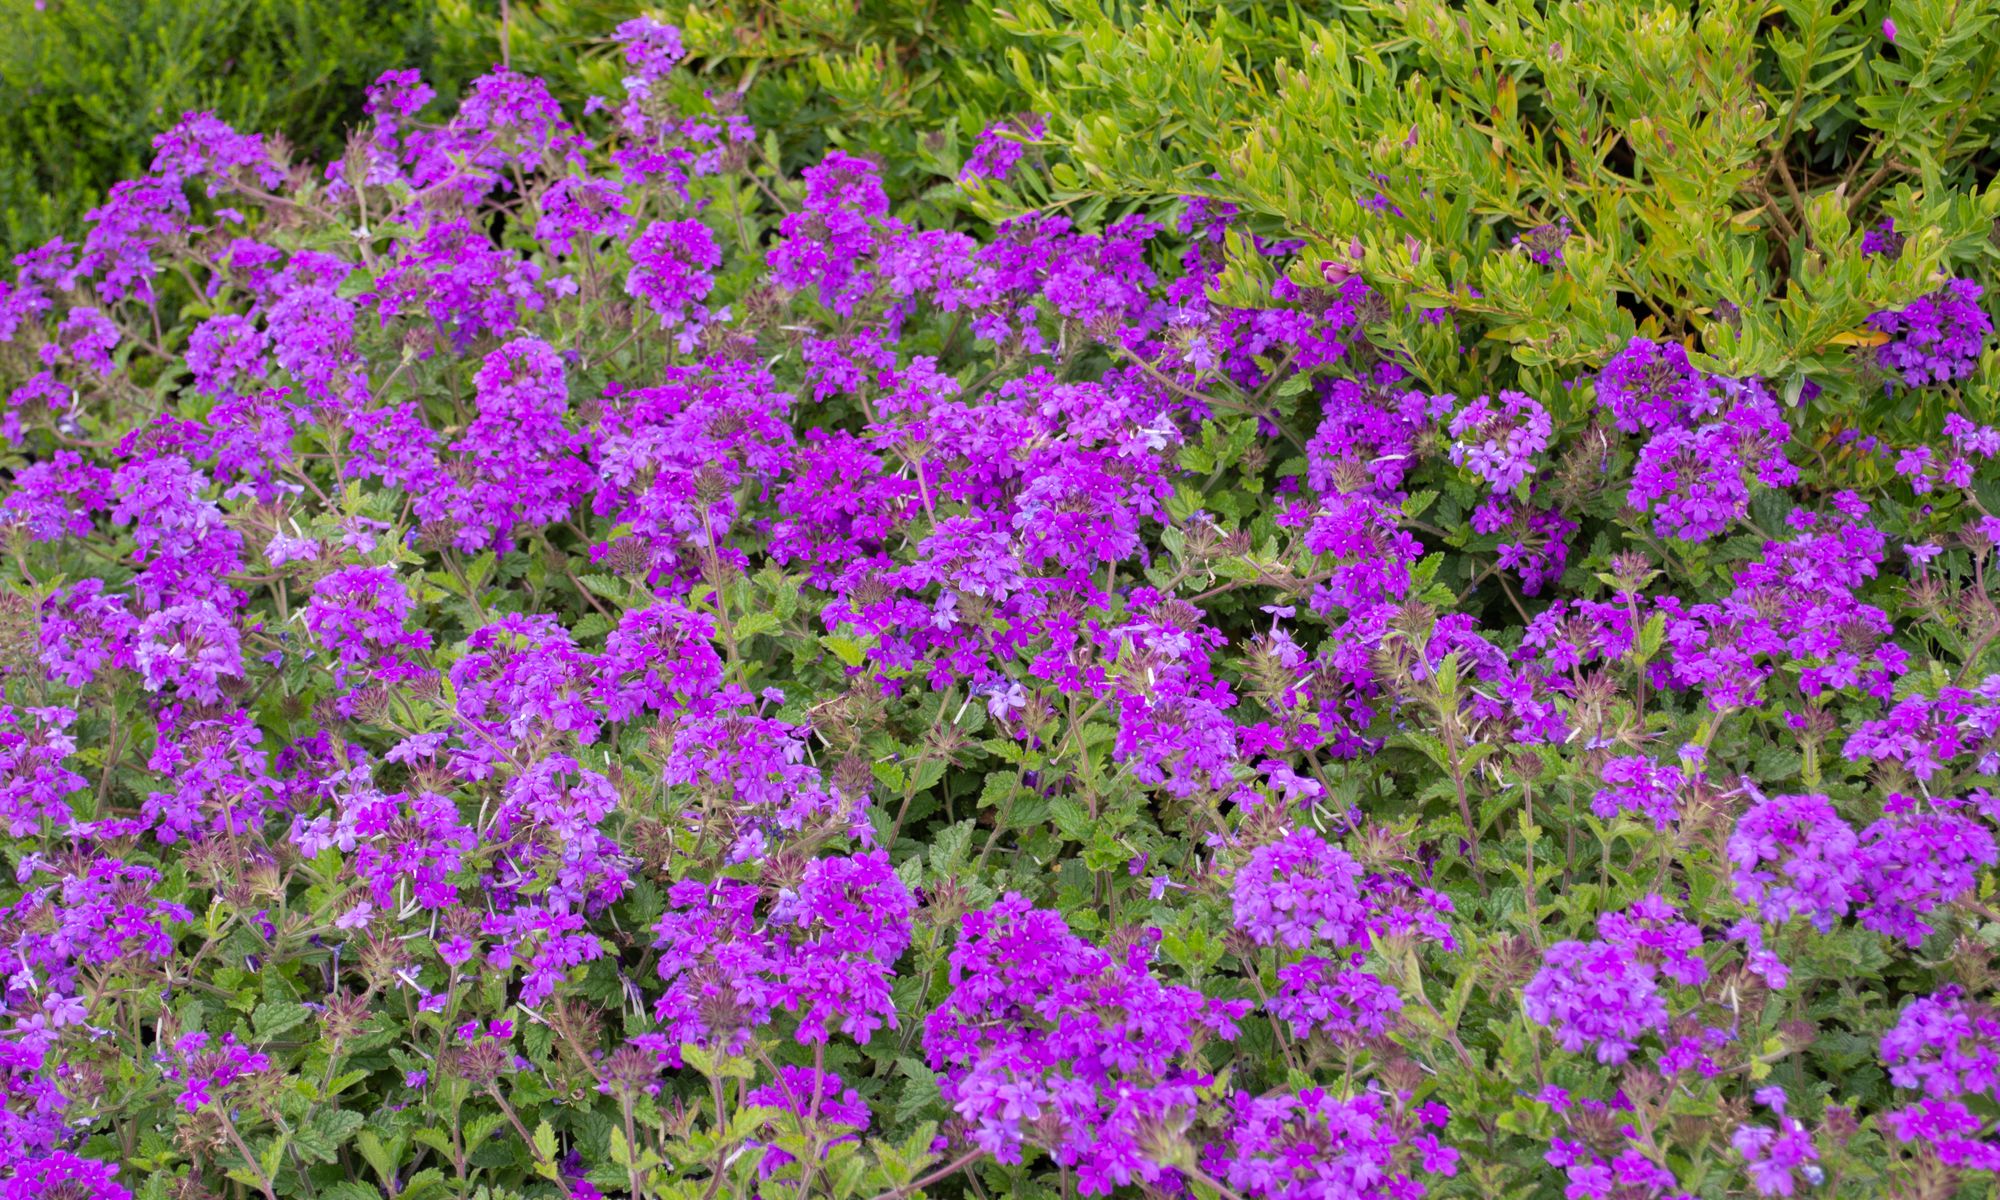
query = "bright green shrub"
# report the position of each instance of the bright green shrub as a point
(1714, 170)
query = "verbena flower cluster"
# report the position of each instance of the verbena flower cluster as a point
(546, 657)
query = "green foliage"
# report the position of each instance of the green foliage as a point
(562, 42)
(909, 83)
(86, 84)
(1714, 168)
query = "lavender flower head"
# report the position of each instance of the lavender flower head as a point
(1595, 996)
(1299, 891)
(1498, 440)
(1794, 856)
(1936, 338)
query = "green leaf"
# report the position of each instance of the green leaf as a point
(423, 1184)
(378, 1156)
(328, 1130)
(950, 845)
(999, 788)
(1652, 636)
(272, 1154)
(545, 1150)
(481, 569)
(1072, 819)
(755, 623)
(846, 649)
(274, 1017)
(922, 1092)
(482, 1127)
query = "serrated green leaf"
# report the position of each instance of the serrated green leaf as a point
(274, 1017)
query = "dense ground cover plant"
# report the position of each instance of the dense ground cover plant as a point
(549, 657)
